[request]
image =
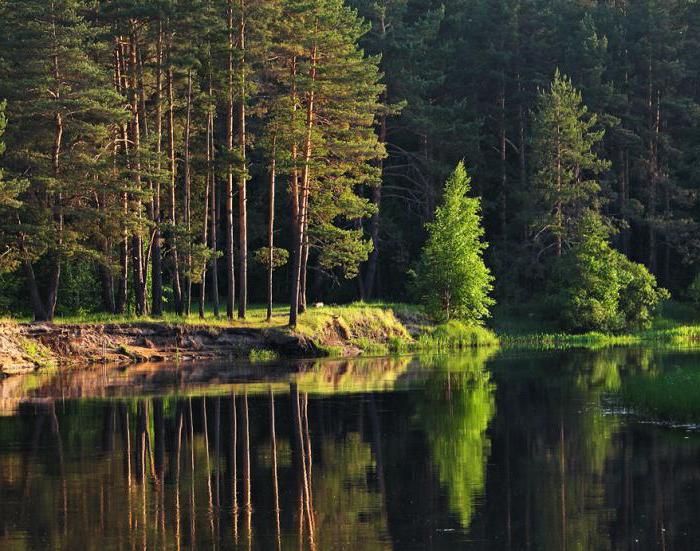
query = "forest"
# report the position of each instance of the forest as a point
(206, 155)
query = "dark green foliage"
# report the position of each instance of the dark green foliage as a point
(452, 280)
(279, 257)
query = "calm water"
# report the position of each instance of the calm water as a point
(486, 451)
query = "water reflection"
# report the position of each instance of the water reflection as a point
(515, 451)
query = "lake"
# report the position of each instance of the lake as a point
(484, 450)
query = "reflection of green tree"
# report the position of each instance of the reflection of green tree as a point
(347, 509)
(458, 405)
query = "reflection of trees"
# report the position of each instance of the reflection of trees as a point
(455, 412)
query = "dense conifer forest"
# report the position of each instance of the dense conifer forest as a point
(203, 155)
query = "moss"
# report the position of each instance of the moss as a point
(37, 353)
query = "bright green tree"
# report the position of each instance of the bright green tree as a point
(452, 280)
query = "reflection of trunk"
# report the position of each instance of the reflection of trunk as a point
(56, 431)
(234, 466)
(159, 439)
(303, 449)
(217, 456)
(659, 523)
(275, 485)
(193, 507)
(246, 471)
(210, 510)
(178, 513)
(562, 475)
(378, 454)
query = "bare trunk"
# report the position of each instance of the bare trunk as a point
(177, 289)
(242, 177)
(205, 228)
(302, 217)
(136, 240)
(503, 159)
(371, 274)
(188, 193)
(156, 255)
(271, 225)
(214, 277)
(230, 272)
(123, 286)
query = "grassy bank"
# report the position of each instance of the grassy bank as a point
(677, 325)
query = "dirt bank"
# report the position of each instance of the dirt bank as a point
(26, 347)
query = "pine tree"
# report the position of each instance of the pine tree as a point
(64, 108)
(565, 165)
(338, 87)
(9, 203)
(452, 280)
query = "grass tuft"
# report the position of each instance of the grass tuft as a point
(262, 355)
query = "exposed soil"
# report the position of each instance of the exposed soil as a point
(26, 347)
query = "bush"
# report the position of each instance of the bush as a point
(596, 288)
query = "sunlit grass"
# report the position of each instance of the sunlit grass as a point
(256, 317)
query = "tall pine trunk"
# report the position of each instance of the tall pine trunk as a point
(188, 193)
(242, 177)
(271, 225)
(213, 218)
(300, 239)
(122, 286)
(136, 240)
(156, 255)
(230, 272)
(174, 258)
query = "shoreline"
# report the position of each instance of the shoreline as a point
(331, 331)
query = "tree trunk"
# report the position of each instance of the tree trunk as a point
(271, 225)
(300, 239)
(188, 193)
(156, 255)
(214, 283)
(136, 241)
(242, 177)
(230, 272)
(503, 159)
(55, 255)
(122, 286)
(205, 228)
(177, 289)
(371, 274)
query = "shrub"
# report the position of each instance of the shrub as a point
(596, 288)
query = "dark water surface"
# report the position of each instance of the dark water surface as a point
(508, 450)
